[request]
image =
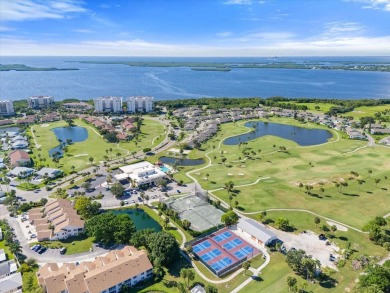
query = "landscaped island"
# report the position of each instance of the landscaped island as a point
(216, 66)
(22, 67)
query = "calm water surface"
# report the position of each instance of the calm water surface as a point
(300, 135)
(75, 133)
(95, 80)
(140, 218)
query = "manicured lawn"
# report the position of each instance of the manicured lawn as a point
(6, 250)
(366, 111)
(73, 245)
(318, 166)
(152, 133)
(95, 146)
(304, 221)
(78, 153)
(323, 107)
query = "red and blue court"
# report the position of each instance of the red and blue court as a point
(223, 251)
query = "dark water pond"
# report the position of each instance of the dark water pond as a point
(63, 134)
(181, 162)
(8, 129)
(302, 136)
(140, 218)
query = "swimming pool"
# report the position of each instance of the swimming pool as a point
(165, 169)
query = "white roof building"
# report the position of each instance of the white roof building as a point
(12, 283)
(21, 172)
(3, 257)
(51, 173)
(256, 231)
(141, 173)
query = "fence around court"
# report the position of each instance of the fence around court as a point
(196, 209)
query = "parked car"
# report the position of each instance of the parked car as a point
(42, 250)
(322, 237)
(178, 191)
(33, 236)
(63, 250)
(37, 247)
(133, 201)
(126, 202)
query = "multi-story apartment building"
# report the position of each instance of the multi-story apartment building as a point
(108, 104)
(6, 108)
(59, 215)
(139, 104)
(39, 102)
(106, 274)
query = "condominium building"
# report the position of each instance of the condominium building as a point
(139, 104)
(6, 108)
(39, 102)
(58, 214)
(106, 274)
(108, 104)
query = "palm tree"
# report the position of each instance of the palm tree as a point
(369, 173)
(207, 176)
(15, 248)
(230, 200)
(291, 282)
(377, 181)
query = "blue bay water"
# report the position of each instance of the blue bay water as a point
(94, 80)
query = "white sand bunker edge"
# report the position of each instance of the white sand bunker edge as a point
(81, 155)
(338, 226)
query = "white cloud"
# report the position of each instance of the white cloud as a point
(342, 29)
(84, 31)
(6, 28)
(20, 10)
(264, 37)
(224, 34)
(349, 46)
(374, 4)
(238, 2)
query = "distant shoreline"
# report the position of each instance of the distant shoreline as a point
(22, 67)
(214, 66)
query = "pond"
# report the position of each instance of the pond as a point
(67, 135)
(302, 136)
(181, 162)
(8, 129)
(140, 218)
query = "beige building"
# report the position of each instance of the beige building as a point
(107, 274)
(57, 220)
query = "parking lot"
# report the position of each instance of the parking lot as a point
(312, 245)
(28, 230)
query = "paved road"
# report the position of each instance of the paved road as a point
(51, 255)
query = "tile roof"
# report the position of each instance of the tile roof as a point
(102, 273)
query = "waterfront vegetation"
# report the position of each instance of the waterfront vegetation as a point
(22, 67)
(271, 64)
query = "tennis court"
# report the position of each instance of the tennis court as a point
(197, 211)
(223, 251)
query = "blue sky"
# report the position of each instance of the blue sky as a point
(195, 27)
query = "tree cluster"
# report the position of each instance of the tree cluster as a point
(162, 247)
(108, 228)
(229, 218)
(377, 232)
(86, 208)
(302, 264)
